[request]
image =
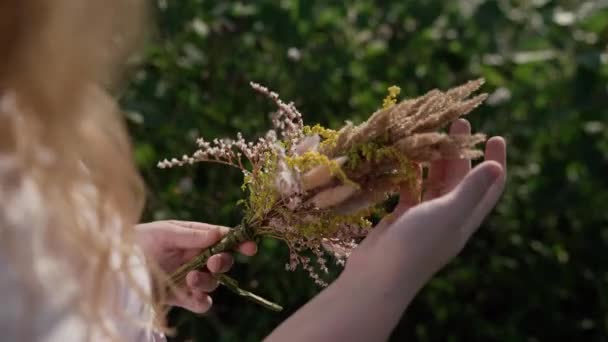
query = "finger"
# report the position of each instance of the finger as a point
(220, 263)
(461, 203)
(485, 207)
(496, 150)
(200, 226)
(202, 281)
(457, 169)
(435, 180)
(193, 300)
(409, 194)
(189, 238)
(198, 302)
(248, 248)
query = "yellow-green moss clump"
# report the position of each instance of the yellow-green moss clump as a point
(391, 99)
(262, 191)
(330, 136)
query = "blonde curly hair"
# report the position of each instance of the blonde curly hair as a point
(71, 192)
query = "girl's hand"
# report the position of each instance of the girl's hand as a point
(172, 243)
(402, 253)
(431, 225)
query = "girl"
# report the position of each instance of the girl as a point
(74, 264)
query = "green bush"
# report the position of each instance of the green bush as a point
(536, 271)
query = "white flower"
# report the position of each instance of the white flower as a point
(309, 143)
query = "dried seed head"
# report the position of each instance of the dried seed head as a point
(321, 175)
(333, 196)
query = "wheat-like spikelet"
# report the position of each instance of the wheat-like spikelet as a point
(428, 113)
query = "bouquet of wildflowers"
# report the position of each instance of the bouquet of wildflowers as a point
(315, 188)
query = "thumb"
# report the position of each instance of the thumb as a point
(485, 206)
(409, 194)
(467, 202)
(188, 238)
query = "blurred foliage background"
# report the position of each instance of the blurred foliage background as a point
(536, 271)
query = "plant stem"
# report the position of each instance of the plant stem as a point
(233, 286)
(228, 243)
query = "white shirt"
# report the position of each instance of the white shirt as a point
(48, 315)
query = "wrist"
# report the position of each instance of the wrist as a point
(389, 278)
